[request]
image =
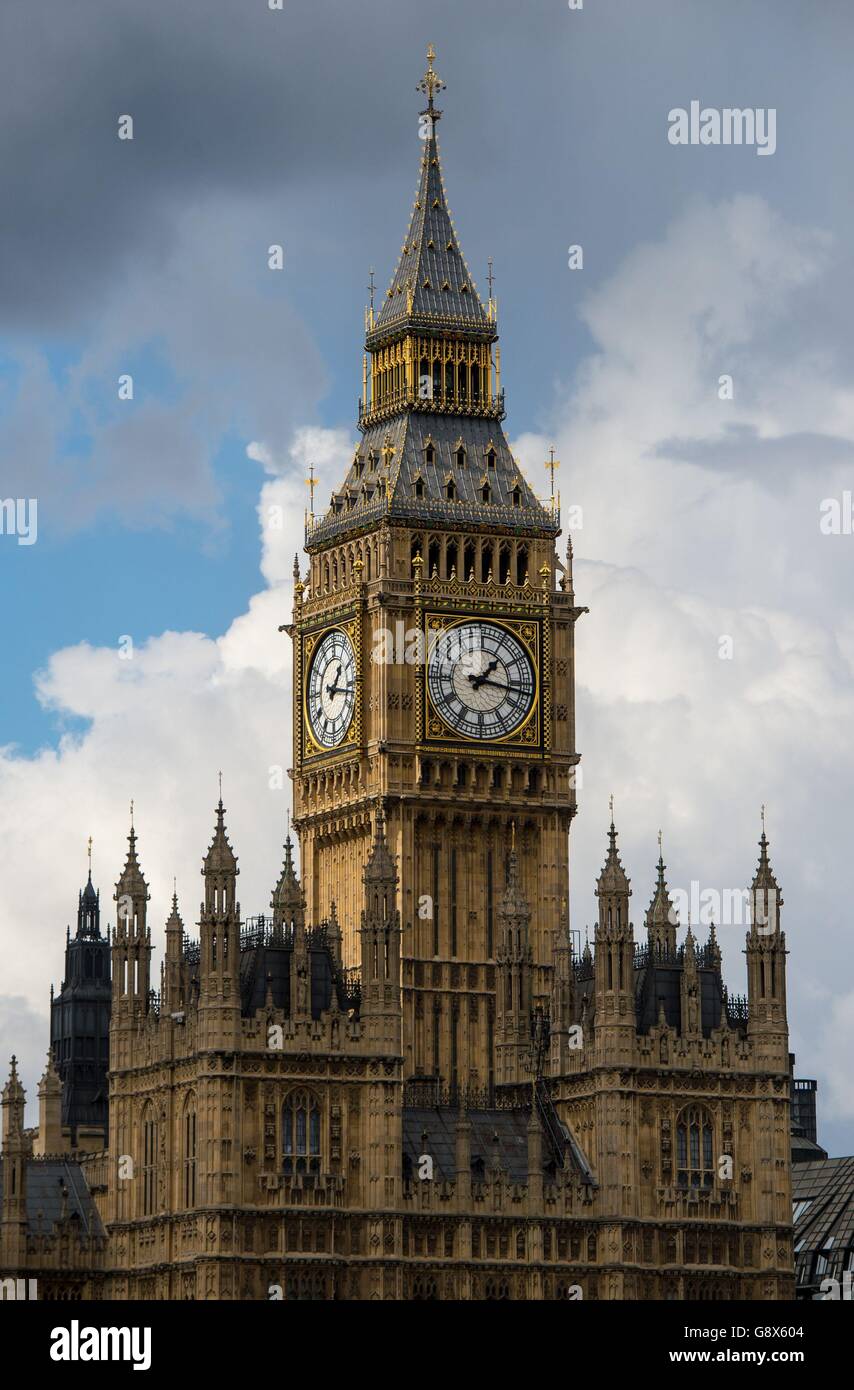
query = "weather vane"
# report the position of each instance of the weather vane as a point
(762, 813)
(311, 481)
(551, 464)
(131, 815)
(659, 844)
(90, 856)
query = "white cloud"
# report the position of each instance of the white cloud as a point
(675, 553)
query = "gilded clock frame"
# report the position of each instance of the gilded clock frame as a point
(310, 639)
(527, 737)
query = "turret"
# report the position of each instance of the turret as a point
(50, 1139)
(80, 1024)
(15, 1152)
(219, 972)
(614, 977)
(766, 952)
(689, 986)
(131, 940)
(173, 972)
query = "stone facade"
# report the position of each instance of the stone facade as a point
(404, 1082)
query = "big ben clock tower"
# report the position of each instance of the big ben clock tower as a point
(434, 661)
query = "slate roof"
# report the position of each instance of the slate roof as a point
(389, 488)
(823, 1198)
(498, 1137)
(46, 1178)
(431, 263)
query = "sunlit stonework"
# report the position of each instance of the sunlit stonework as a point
(406, 1080)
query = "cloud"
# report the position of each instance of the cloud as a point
(674, 555)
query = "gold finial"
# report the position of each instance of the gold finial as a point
(220, 786)
(131, 815)
(551, 464)
(90, 856)
(659, 844)
(611, 806)
(311, 482)
(492, 307)
(762, 813)
(431, 82)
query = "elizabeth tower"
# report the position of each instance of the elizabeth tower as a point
(434, 661)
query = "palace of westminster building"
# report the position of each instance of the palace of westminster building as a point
(406, 1081)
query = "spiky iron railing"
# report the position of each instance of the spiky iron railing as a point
(737, 1008)
(430, 1093)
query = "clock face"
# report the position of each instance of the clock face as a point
(481, 680)
(331, 692)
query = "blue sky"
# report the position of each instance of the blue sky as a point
(300, 127)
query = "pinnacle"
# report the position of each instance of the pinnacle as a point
(380, 866)
(613, 877)
(220, 858)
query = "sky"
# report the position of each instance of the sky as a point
(141, 650)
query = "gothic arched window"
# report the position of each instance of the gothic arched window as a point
(695, 1148)
(301, 1133)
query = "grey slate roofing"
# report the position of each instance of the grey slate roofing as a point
(823, 1198)
(47, 1180)
(658, 984)
(498, 1137)
(431, 263)
(389, 487)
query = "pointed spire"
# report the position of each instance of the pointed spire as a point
(220, 858)
(661, 918)
(380, 866)
(613, 877)
(288, 901)
(432, 283)
(514, 904)
(766, 898)
(174, 920)
(13, 1099)
(131, 887)
(88, 905)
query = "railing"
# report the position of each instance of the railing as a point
(429, 1092)
(524, 519)
(439, 403)
(737, 1008)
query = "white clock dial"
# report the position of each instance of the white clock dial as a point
(481, 680)
(331, 692)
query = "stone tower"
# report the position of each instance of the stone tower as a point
(433, 655)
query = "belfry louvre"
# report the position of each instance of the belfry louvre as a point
(403, 1082)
